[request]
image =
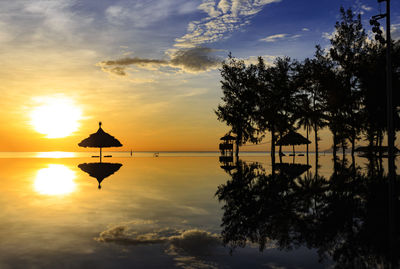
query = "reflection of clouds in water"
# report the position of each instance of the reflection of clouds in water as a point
(190, 248)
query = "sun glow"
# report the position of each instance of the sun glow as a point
(56, 179)
(56, 117)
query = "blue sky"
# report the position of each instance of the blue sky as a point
(149, 68)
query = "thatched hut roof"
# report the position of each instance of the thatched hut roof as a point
(292, 138)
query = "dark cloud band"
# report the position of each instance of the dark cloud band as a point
(198, 59)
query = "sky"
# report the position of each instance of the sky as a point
(147, 69)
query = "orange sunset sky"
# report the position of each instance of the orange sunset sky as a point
(148, 71)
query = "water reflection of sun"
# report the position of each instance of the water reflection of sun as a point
(56, 179)
(56, 117)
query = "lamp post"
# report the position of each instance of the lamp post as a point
(389, 92)
(390, 128)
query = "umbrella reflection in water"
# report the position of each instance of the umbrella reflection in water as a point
(100, 171)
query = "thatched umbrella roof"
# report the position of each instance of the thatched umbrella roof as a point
(100, 170)
(292, 138)
(227, 137)
(100, 139)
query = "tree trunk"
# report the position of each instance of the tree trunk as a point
(344, 150)
(273, 147)
(316, 140)
(307, 130)
(353, 145)
(334, 145)
(380, 138)
(294, 154)
(237, 149)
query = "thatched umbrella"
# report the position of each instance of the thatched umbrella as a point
(227, 137)
(100, 139)
(293, 138)
(100, 170)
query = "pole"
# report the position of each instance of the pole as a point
(389, 93)
(391, 159)
(100, 154)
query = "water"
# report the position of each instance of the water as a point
(153, 212)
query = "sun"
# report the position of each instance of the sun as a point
(56, 117)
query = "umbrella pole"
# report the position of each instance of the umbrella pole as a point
(294, 153)
(100, 154)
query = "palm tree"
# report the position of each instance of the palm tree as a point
(306, 115)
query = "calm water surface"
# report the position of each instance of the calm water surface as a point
(149, 213)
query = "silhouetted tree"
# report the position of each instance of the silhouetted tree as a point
(310, 87)
(372, 77)
(239, 99)
(348, 43)
(276, 98)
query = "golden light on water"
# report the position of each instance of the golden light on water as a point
(56, 179)
(55, 154)
(56, 117)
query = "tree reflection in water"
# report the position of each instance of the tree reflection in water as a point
(345, 218)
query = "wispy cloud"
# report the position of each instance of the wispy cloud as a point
(140, 14)
(278, 37)
(224, 17)
(189, 53)
(274, 38)
(366, 8)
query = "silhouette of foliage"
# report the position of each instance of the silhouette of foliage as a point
(342, 89)
(239, 100)
(345, 218)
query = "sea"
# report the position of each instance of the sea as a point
(189, 210)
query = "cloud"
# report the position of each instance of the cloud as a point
(273, 38)
(366, 8)
(195, 59)
(295, 36)
(192, 60)
(395, 31)
(305, 29)
(189, 53)
(140, 14)
(329, 36)
(277, 37)
(190, 248)
(224, 17)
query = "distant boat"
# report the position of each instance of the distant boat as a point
(156, 154)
